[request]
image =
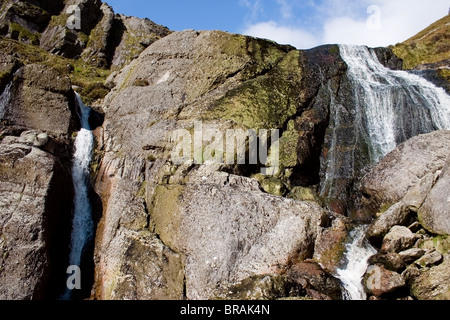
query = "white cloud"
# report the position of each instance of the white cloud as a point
(347, 21)
(300, 39)
(285, 9)
(254, 6)
(399, 20)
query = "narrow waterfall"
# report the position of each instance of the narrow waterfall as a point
(5, 98)
(358, 251)
(395, 105)
(82, 224)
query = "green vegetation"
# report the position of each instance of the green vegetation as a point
(230, 54)
(266, 101)
(24, 34)
(429, 46)
(90, 79)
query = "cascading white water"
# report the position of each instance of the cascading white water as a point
(388, 108)
(384, 96)
(82, 224)
(5, 98)
(358, 251)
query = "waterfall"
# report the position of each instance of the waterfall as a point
(358, 251)
(375, 110)
(5, 98)
(396, 105)
(82, 224)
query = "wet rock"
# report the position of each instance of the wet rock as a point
(387, 57)
(312, 276)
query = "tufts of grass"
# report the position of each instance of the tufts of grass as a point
(91, 79)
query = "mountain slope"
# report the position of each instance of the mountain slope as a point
(431, 45)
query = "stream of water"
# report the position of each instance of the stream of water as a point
(82, 223)
(390, 107)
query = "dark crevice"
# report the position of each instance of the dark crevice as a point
(114, 39)
(58, 229)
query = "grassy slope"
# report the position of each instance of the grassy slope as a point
(89, 78)
(428, 46)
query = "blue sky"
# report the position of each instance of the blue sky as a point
(302, 23)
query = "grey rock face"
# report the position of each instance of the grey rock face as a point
(104, 39)
(33, 205)
(222, 227)
(433, 284)
(271, 230)
(435, 212)
(396, 215)
(225, 229)
(403, 168)
(398, 239)
(40, 99)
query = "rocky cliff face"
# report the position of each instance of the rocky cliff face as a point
(196, 229)
(102, 38)
(213, 222)
(37, 119)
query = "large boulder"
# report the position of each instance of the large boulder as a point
(379, 281)
(434, 283)
(225, 228)
(39, 98)
(398, 239)
(398, 214)
(35, 193)
(434, 214)
(215, 218)
(410, 165)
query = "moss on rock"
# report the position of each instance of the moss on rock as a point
(165, 213)
(265, 102)
(304, 194)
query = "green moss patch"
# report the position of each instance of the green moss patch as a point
(89, 78)
(265, 102)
